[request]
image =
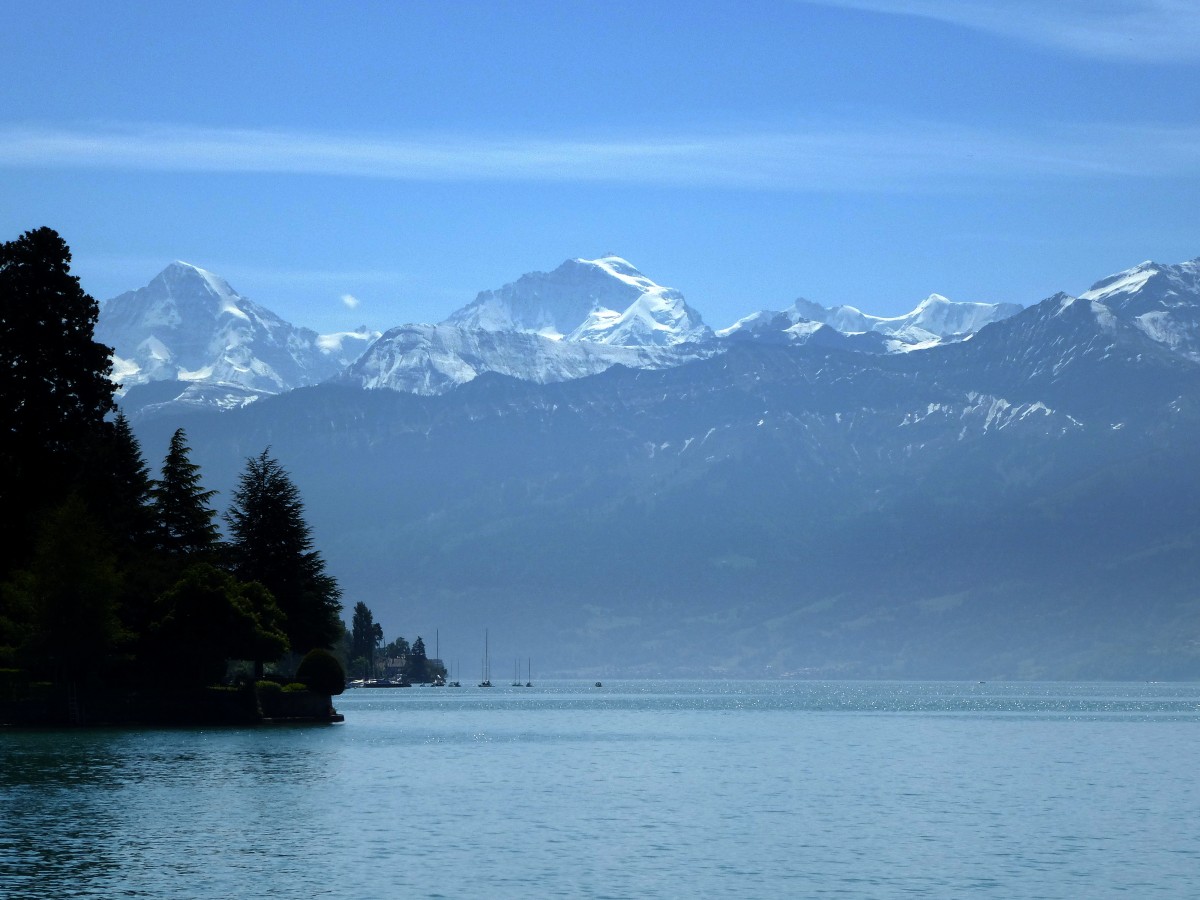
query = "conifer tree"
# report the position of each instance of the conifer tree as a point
(418, 663)
(185, 523)
(362, 631)
(54, 384)
(270, 542)
(118, 488)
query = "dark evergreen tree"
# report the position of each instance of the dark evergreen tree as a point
(185, 523)
(270, 542)
(118, 488)
(418, 664)
(362, 635)
(54, 385)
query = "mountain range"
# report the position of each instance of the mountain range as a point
(200, 343)
(578, 462)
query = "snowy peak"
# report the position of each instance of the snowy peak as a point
(190, 325)
(1122, 284)
(1150, 283)
(605, 300)
(946, 318)
(184, 277)
(934, 320)
(1161, 301)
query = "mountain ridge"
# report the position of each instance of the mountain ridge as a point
(574, 321)
(1016, 504)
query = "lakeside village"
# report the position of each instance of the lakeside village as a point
(121, 601)
(397, 664)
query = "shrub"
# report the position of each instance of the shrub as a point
(321, 672)
(294, 688)
(268, 687)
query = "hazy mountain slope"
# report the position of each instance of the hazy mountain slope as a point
(1018, 502)
(997, 507)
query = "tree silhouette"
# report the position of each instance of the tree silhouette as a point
(185, 521)
(54, 385)
(119, 489)
(271, 543)
(365, 635)
(208, 617)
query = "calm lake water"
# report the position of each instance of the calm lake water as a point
(636, 789)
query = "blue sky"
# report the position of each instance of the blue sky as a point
(410, 154)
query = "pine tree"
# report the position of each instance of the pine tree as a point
(271, 543)
(54, 385)
(118, 488)
(418, 664)
(185, 523)
(362, 635)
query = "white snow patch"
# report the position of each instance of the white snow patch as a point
(1127, 282)
(204, 374)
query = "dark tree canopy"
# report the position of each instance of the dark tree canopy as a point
(270, 542)
(362, 632)
(70, 586)
(208, 616)
(418, 663)
(185, 522)
(366, 636)
(119, 488)
(320, 671)
(54, 383)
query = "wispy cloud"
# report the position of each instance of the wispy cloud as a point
(1151, 31)
(350, 301)
(881, 156)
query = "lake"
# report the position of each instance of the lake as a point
(636, 789)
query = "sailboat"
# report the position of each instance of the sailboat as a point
(528, 673)
(516, 673)
(487, 663)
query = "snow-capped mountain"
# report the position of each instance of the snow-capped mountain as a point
(581, 319)
(432, 359)
(601, 301)
(1159, 300)
(190, 329)
(935, 320)
(189, 325)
